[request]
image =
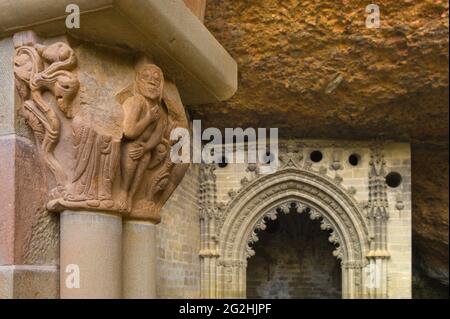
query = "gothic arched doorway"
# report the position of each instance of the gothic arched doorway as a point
(229, 233)
(293, 260)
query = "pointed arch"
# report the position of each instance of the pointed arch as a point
(267, 196)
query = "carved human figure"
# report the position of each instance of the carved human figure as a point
(38, 69)
(96, 159)
(143, 128)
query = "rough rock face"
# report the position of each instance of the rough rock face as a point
(313, 69)
(430, 220)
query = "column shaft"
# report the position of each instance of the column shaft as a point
(139, 260)
(91, 243)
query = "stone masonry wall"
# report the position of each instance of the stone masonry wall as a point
(335, 163)
(398, 158)
(178, 242)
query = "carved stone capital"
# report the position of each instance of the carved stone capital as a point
(105, 151)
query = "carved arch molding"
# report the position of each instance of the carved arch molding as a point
(228, 232)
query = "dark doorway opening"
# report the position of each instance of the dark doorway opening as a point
(293, 260)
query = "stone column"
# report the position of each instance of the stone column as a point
(378, 215)
(209, 254)
(92, 141)
(28, 250)
(344, 281)
(91, 255)
(139, 260)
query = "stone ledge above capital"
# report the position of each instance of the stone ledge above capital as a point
(167, 30)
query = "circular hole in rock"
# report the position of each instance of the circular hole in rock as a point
(354, 159)
(393, 179)
(316, 156)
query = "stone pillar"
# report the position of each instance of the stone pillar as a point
(28, 250)
(378, 215)
(139, 260)
(243, 279)
(91, 141)
(209, 254)
(91, 255)
(84, 148)
(344, 281)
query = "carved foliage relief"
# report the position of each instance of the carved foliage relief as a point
(97, 161)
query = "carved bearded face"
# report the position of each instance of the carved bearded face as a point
(150, 82)
(23, 66)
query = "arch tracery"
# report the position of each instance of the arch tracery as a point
(296, 207)
(326, 200)
(236, 226)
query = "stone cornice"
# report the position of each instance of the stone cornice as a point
(167, 30)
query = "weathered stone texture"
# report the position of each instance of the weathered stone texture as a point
(430, 220)
(29, 246)
(7, 113)
(290, 51)
(29, 282)
(29, 234)
(10, 121)
(313, 69)
(178, 242)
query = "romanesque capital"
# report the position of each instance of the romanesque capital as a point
(106, 152)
